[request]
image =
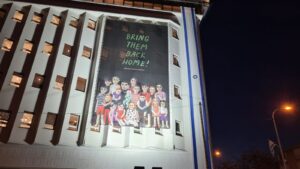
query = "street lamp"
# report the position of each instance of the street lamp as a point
(217, 153)
(285, 108)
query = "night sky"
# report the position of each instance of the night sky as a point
(252, 64)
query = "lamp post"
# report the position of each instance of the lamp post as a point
(286, 108)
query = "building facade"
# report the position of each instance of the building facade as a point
(88, 85)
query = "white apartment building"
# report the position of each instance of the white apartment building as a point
(90, 85)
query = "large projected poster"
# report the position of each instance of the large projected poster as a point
(132, 84)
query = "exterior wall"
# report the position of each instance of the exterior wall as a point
(106, 149)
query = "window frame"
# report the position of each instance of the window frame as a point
(16, 18)
(87, 52)
(74, 22)
(46, 44)
(67, 50)
(77, 84)
(37, 18)
(16, 84)
(92, 24)
(71, 126)
(50, 126)
(4, 46)
(179, 132)
(26, 125)
(36, 82)
(57, 82)
(54, 20)
(24, 49)
(4, 121)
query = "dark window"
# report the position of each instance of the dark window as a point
(178, 128)
(91, 24)
(59, 82)
(55, 20)
(7, 44)
(26, 120)
(67, 50)
(27, 47)
(81, 82)
(87, 52)
(16, 79)
(50, 121)
(73, 122)
(2, 13)
(38, 81)
(74, 22)
(18, 16)
(174, 33)
(4, 116)
(175, 60)
(177, 92)
(36, 18)
(139, 167)
(47, 48)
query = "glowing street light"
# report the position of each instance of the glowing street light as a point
(217, 153)
(288, 109)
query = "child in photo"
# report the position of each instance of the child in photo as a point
(164, 115)
(160, 94)
(99, 100)
(155, 109)
(132, 115)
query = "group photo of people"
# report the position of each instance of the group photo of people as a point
(130, 103)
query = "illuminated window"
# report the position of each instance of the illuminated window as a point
(177, 92)
(26, 120)
(157, 6)
(92, 24)
(176, 8)
(55, 20)
(167, 7)
(174, 33)
(67, 50)
(178, 128)
(175, 60)
(18, 16)
(128, 3)
(47, 48)
(138, 4)
(2, 13)
(118, 2)
(109, 1)
(50, 121)
(27, 47)
(38, 81)
(148, 5)
(74, 22)
(59, 82)
(7, 44)
(87, 52)
(4, 116)
(37, 18)
(16, 79)
(73, 122)
(81, 82)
